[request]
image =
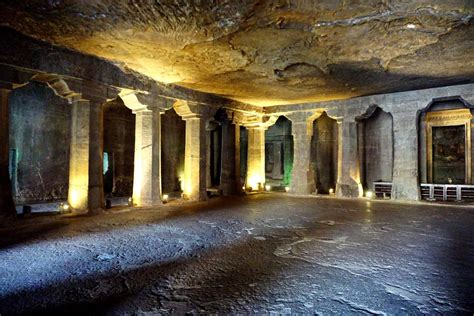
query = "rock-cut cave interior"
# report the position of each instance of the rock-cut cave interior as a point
(267, 157)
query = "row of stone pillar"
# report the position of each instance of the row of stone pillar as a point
(405, 167)
(86, 154)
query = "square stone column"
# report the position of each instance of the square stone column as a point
(238, 181)
(96, 156)
(348, 177)
(302, 176)
(78, 195)
(195, 171)
(195, 161)
(7, 206)
(228, 176)
(405, 163)
(147, 170)
(256, 158)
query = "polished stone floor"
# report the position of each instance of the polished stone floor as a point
(262, 254)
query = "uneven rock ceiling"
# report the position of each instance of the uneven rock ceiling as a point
(266, 52)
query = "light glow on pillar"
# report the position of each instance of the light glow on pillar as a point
(256, 182)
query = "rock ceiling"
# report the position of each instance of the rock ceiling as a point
(266, 52)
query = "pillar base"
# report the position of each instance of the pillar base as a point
(195, 198)
(349, 190)
(406, 189)
(147, 202)
(302, 189)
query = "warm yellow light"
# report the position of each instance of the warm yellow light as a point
(64, 207)
(130, 201)
(369, 194)
(256, 182)
(268, 187)
(165, 197)
(331, 191)
(287, 189)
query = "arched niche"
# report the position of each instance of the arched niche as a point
(445, 133)
(40, 136)
(173, 139)
(119, 147)
(279, 153)
(324, 153)
(375, 132)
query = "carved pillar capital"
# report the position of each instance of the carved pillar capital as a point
(190, 110)
(252, 120)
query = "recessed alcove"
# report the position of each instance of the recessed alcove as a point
(279, 154)
(324, 153)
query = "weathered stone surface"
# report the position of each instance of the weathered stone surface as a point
(39, 136)
(267, 52)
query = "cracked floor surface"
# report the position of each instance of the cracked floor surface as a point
(262, 254)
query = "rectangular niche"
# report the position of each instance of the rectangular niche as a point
(449, 146)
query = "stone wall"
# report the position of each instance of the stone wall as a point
(119, 142)
(39, 138)
(324, 153)
(173, 130)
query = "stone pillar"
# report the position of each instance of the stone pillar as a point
(147, 170)
(348, 177)
(302, 176)
(96, 152)
(228, 164)
(79, 156)
(238, 182)
(195, 170)
(256, 158)
(7, 206)
(405, 163)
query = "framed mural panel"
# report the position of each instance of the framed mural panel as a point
(449, 146)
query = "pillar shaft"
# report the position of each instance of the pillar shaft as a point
(195, 174)
(348, 178)
(302, 176)
(96, 152)
(7, 206)
(228, 177)
(405, 164)
(79, 156)
(256, 158)
(147, 170)
(237, 158)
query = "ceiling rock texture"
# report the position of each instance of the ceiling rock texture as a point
(266, 52)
